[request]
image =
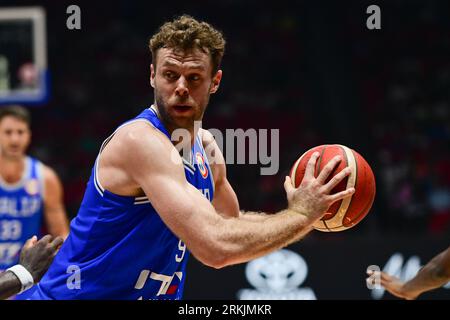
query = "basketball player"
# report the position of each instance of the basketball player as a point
(30, 192)
(145, 205)
(35, 258)
(434, 274)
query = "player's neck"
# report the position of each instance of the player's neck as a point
(170, 127)
(11, 168)
(178, 138)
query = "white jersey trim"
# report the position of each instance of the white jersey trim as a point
(188, 166)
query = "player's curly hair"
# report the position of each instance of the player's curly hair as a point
(184, 33)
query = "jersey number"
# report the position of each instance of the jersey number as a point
(10, 229)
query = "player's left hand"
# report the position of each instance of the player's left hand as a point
(313, 197)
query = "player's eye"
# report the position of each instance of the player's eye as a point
(170, 75)
(194, 77)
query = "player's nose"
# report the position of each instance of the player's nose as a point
(182, 88)
(15, 138)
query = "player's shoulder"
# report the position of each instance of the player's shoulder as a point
(134, 144)
(45, 172)
(49, 174)
(40, 165)
(139, 134)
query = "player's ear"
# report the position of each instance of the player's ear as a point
(152, 75)
(216, 82)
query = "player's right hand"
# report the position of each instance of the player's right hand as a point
(36, 256)
(312, 198)
(394, 286)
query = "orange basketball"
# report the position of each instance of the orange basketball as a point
(346, 213)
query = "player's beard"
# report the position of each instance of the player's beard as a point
(16, 155)
(172, 123)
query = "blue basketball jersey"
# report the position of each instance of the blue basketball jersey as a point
(118, 246)
(21, 211)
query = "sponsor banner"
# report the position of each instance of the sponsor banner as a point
(322, 268)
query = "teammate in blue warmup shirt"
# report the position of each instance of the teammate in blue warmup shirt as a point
(146, 203)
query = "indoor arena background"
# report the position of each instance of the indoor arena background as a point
(309, 68)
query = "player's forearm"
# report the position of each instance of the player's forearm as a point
(433, 275)
(254, 216)
(244, 239)
(9, 285)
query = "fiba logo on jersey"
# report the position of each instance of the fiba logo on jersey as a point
(277, 276)
(32, 187)
(201, 165)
